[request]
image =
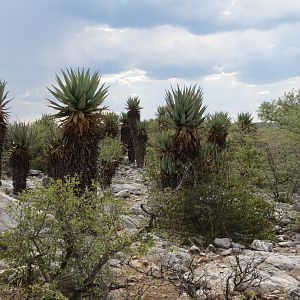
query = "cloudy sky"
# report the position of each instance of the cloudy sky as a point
(241, 52)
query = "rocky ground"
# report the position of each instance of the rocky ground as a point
(273, 267)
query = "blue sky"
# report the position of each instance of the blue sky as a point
(241, 52)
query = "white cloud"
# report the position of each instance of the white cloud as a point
(163, 48)
(222, 91)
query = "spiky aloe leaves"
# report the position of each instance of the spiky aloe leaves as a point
(21, 138)
(79, 97)
(186, 112)
(217, 127)
(3, 118)
(3, 102)
(111, 124)
(245, 122)
(168, 174)
(185, 106)
(134, 115)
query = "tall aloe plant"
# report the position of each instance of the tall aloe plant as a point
(134, 115)
(21, 138)
(126, 137)
(3, 119)
(186, 113)
(78, 101)
(218, 126)
(141, 143)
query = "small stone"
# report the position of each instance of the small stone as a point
(237, 250)
(46, 181)
(296, 273)
(296, 228)
(282, 237)
(262, 245)
(287, 244)
(296, 238)
(35, 173)
(211, 248)
(194, 250)
(204, 260)
(123, 194)
(296, 207)
(285, 221)
(227, 252)
(239, 246)
(222, 243)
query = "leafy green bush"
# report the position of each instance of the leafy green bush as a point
(62, 244)
(216, 209)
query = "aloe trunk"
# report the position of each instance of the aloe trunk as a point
(20, 161)
(141, 143)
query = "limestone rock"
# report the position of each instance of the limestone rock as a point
(224, 243)
(262, 245)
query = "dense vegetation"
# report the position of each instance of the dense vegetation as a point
(206, 174)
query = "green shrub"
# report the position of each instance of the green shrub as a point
(62, 244)
(216, 210)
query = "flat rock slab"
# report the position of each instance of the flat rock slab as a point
(133, 188)
(6, 210)
(276, 270)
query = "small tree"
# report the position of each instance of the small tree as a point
(62, 244)
(283, 111)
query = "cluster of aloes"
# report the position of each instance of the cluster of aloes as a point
(185, 113)
(187, 146)
(21, 138)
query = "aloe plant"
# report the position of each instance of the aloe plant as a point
(186, 113)
(134, 115)
(3, 119)
(21, 139)
(141, 143)
(78, 101)
(168, 175)
(218, 126)
(111, 153)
